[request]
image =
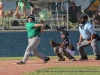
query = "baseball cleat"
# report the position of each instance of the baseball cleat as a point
(72, 59)
(63, 59)
(97, 58)
(84, 58)
(46, 60)
(21, 62)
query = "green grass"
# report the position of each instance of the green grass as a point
(75, 70)
(34, 57)
(15, 58)
(90, 70)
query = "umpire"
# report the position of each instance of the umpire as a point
(89, 37)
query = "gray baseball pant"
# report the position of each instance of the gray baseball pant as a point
(93, 44)
(32, 48)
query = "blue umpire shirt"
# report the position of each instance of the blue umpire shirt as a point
(86, 30)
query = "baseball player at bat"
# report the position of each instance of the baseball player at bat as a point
(33, 30)
(65, 48)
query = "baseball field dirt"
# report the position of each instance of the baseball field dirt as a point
(9, 67)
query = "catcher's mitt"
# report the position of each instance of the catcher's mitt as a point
(53, 43)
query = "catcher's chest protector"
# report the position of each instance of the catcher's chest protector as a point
(68, 43)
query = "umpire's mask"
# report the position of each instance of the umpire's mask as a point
(83, 19)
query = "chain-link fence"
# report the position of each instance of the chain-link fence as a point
(56, 13)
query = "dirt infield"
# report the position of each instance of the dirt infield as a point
(11, 68)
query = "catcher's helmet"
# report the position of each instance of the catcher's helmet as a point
(84, 16)
(31, 16)
(65, 33)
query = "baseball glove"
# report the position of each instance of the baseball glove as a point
(53, 43)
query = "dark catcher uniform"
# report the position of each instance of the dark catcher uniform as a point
(67, 50)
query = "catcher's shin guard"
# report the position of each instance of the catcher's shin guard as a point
(68, 55)
(56, 51)
(60, 55)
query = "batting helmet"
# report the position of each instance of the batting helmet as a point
(31, 16)
(65, 33)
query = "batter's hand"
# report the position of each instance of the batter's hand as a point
(42, 22)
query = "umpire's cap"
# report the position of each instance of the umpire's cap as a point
(84, 16)
(31, 16)
(65, 33)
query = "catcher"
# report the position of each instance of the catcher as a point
(65, 48)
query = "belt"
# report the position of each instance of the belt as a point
(96, 36)
(35, 36)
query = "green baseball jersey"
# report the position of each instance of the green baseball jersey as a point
(27, 6)
(31, 30)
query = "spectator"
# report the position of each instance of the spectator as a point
(96, 18)
(64, 4)
(74, 12)
(54, 7)
(10, 13)
(92, 8)
(88, 37)
(32, 8)
(24, 8)
(1, 10)
(1, 13)
(99, 6)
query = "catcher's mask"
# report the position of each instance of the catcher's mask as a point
(31, 16)
(65, 33)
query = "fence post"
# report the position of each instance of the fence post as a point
(67, 18)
